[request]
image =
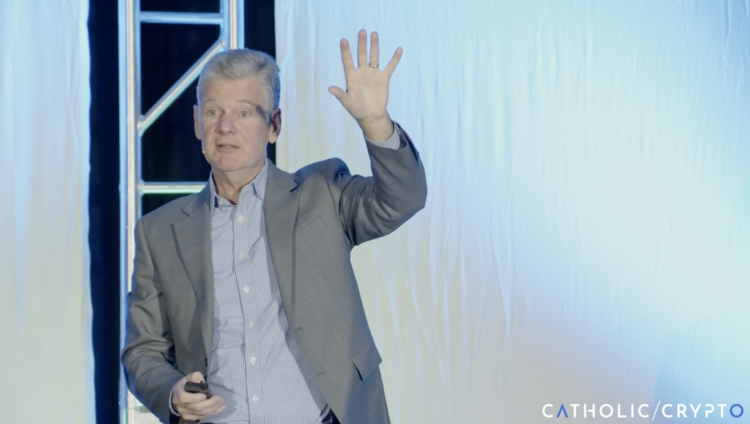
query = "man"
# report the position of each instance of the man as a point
(247, 285)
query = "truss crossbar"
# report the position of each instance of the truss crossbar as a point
(181, 85)
(184, 18)
(170, 188)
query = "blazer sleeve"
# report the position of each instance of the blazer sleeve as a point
(371, 207)
(148, 356)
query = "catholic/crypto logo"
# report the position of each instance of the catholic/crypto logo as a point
(667, 410)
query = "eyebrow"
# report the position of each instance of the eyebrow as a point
(239, 101)
(258, 108)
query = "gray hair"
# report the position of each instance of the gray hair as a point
(243, 63)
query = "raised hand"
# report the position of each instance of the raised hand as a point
(366, 94)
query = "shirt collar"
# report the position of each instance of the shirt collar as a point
(256, 187)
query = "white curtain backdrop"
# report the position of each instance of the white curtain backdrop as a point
(586, 238)
(45, 311)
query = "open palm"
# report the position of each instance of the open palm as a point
(366, 94)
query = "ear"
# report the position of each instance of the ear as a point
(197, 122)
(275, 128)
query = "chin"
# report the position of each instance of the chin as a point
(228, 166)
(226, 169)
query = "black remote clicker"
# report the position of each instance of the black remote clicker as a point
(201, 387)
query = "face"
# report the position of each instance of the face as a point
(233, 126)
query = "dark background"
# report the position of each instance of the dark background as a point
(170, 150)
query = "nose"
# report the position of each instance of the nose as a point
(226, 125)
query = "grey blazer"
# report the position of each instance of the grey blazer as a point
(313, 218)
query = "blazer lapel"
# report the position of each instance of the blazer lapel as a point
(193, 237)
(280, 212)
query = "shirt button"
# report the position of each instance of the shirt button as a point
(251, 324)
(246, 289)
(252, 360)
(240, 219)
(241, 255)
(255, 398)
(221, 202)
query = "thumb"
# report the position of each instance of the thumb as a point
(195, 377)
(338, 92)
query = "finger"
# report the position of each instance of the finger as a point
(394, 62)
(187, 398)
(195, 377)
(202, 409)
(362, 49)
(339, 93)
(205, 405)
(374, 50)
(346, 56)
(199, 415)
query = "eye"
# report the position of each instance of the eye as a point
(245, 114)
(212, 112)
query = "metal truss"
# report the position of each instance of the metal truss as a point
(134, 123)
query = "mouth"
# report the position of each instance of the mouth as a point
(225, 147)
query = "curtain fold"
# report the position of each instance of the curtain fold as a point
(45, 306)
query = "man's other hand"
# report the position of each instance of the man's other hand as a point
(194, 406)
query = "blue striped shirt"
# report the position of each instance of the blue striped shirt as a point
(255, 364)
